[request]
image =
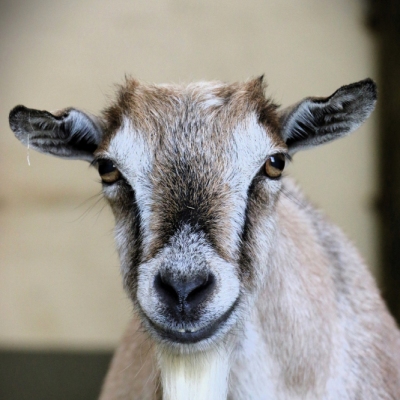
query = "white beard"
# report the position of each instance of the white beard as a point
(199, 376)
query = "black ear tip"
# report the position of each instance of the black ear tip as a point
(15, 115)
(17, 110)
(364, 90)
(370, 87)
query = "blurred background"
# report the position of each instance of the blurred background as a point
(62, 307)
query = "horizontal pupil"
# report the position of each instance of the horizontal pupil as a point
(105, 167)
(278, 162)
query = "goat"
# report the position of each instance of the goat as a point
(242, 290)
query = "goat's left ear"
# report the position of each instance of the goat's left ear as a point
(68, 133)
(314, 121)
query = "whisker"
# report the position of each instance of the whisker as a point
(99, 197)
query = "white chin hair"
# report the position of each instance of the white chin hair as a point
(199, 376)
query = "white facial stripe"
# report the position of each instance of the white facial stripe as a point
(133, 155)
(251, 146)
(130, 150)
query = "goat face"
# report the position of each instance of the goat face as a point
(192, 175)
(186, 163)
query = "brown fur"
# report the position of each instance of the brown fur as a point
(133, 369)
(291, 311)
(152, 107)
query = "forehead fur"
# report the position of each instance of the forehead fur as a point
(153, 107)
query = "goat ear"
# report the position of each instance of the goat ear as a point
(68, 133)
(314, 121)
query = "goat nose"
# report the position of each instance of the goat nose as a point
(183, 292)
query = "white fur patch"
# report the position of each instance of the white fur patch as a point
(251, 146)
(261, 381)
(199, 376)
(134, 159)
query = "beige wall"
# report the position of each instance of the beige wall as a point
(59, 278)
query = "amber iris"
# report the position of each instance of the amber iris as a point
(274, 166)
(108, 171)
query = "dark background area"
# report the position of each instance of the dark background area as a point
(384, 20)
(52, 375)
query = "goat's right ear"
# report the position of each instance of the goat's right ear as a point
(68, 133)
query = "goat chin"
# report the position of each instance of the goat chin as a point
(199, 376)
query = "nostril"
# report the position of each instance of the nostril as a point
(195, 292)
(166, 290)
(182, 292)
(201, 292)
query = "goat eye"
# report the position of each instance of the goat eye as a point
(108, 171)
(274, 166)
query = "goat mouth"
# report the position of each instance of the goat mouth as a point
(193, 335)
